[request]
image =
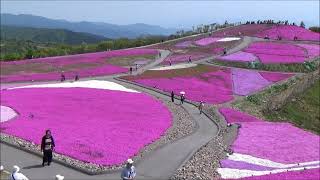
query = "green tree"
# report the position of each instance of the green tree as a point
(302, 24)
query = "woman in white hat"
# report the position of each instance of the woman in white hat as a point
(16, 175)
(129, 172)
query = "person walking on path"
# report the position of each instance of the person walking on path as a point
(76, 77)
(189, 59)
(16, 175)
(172, 96)
(131, 69)
(182, 97)
(63, 78)
(170, 63)
(47, 146)
(136, 67)
(201, 107)
(129, 172)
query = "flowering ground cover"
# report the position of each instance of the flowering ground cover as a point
(288, 32)
(263, 147)
(245, 30)
(270, 53)
(91, 125)
(246, 82)
(89, 64)
(275, 76)
(312, 49)
(180, 58)
(239, 56)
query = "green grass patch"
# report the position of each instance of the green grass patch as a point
(303, 110)
(302, 68)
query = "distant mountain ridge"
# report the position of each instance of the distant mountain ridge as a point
(44, 35)
(97, 28)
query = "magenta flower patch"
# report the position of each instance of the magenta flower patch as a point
(247, 82)
(234, 116)
(288, 32)
(213, 87)
(275, 76)
(206, 41)
(98, 59)
(104, 127)
(270, 53)
(239, 56)
(310, 174)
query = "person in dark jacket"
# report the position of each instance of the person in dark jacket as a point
(172, 96)
(76, 78)
(47, 146)
(63, 78)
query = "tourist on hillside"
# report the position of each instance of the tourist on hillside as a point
(129, 172)
(15, 175)
(170, 63)
(224, 51)
(172, 96)
(47, 146)
(131, 69)
(159, 54)
(189, 59)
(136, 67)
(201, 105)
(63, 78)
(76, 78)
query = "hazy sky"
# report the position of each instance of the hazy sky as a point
(176, 14)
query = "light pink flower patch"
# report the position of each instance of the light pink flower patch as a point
(275, 76)
(104, 127)
(239, 56)
(279, 142)
(246, 82)
(184, 44)
(213, 87)
(288, 32)
(312, 49)
(180, 58)
(206, 41)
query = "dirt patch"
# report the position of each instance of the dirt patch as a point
(129, 60)
(26, 68)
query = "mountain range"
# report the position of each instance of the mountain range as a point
(98, 28)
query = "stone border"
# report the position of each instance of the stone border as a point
(169, 137)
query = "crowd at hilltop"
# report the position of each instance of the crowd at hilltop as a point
(286, 22)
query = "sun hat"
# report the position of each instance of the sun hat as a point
(130, 161)
(59, 177)
(1, 168)
(16, 168)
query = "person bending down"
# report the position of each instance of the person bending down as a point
(129, 172)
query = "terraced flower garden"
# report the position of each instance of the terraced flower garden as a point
(264, 148)
(214, 85)
(91, 124)
(85, 65)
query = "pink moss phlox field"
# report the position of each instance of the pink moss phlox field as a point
(312, 49)
(309, 174)
(217, 50)
(246, 82)
(206, 41)
(180, 58)
(213, 87)
(239, 56)
(245, 30)
(99, 126)
(97, 58)
(234, 116)
(89, 72)
(270, 53)
(288, 32)
(183, 44)
(279, 142)
(275, 76)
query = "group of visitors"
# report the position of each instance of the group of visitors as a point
(63, 77)
(182, 99)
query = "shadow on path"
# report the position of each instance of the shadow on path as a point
(33, 166)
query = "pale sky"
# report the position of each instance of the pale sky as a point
(176, 14)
